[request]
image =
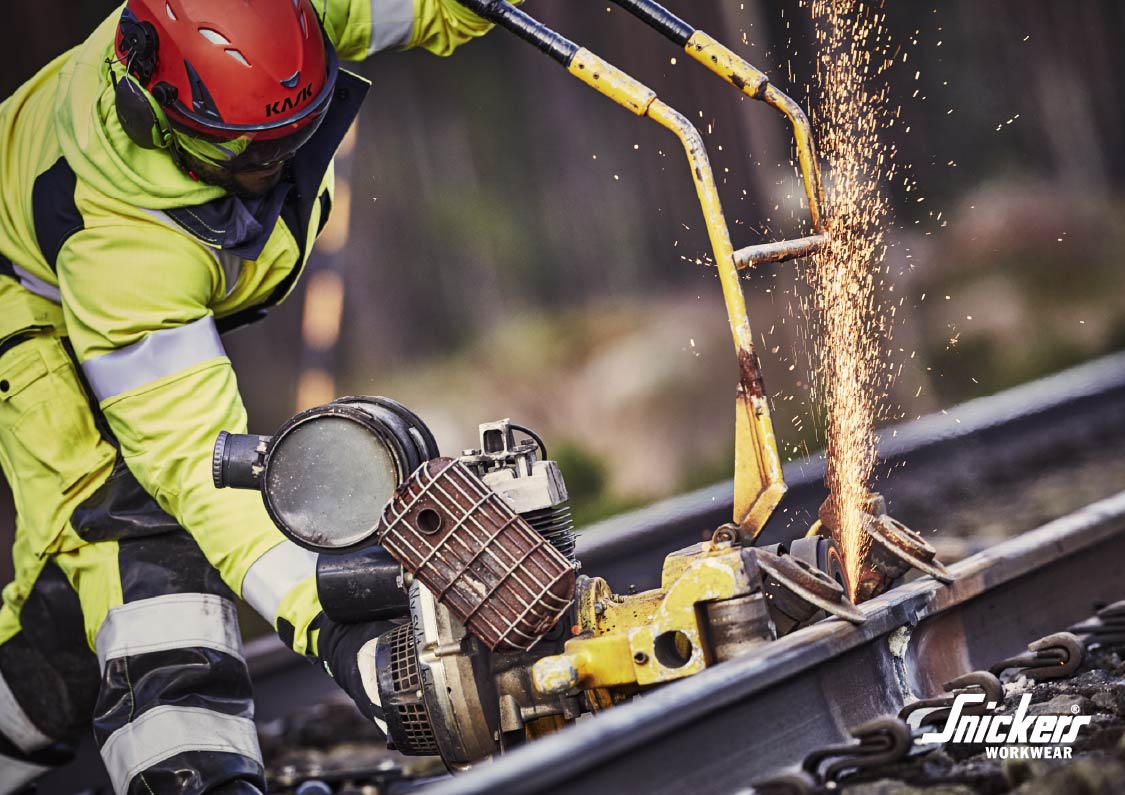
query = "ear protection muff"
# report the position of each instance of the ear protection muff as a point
(140, 115)
(138, 110)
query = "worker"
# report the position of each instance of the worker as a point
(162, 184)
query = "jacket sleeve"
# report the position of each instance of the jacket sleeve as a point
(136, 300)
(359, 28)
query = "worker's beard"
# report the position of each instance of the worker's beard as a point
(246, 184)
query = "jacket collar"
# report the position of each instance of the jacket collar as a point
(243, 226)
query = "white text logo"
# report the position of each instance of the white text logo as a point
(1020, 729)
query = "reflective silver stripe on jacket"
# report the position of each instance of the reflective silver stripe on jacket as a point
(165, 731)
(174, 621)
(160, 354)
(15, 773)
(16, 725)
(392, 24)
(33, 284)
(274, 575)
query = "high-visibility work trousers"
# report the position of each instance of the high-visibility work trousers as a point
(167, 689)
(137, 635)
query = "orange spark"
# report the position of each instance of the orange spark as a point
(848, 322)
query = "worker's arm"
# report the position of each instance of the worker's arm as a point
(136, 303)
(359, 28)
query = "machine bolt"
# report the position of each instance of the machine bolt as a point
(640, 658)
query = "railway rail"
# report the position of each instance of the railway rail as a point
(725, 726)
(721, 729)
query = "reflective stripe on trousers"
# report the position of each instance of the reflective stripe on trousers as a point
(175, 693)
(173, 621)
(16, 726)
(15, 773)
(165, 731)
(48, 676)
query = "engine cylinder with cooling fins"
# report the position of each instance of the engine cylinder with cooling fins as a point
(531, 485)
(556, 525)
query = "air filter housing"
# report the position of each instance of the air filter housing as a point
(327, 475)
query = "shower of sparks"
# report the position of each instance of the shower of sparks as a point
(848, 324)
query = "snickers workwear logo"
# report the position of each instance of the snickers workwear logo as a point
(1019, 735)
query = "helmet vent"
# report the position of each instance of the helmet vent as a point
(304, 25)
(201, 100)
(171, 14)
(238, 56)
(214, 36)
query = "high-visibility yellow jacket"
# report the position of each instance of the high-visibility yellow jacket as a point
(143, 268)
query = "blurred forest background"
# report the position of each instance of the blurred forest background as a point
(508, 243)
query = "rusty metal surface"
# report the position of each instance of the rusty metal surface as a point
(717, 731)
(791, 579)
(778, 251)
(478, 557)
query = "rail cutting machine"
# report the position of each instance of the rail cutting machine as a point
(497, 638)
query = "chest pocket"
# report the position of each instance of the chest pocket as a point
(47, 434)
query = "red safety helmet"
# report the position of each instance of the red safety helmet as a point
(241, 84)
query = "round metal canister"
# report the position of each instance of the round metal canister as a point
(330, 471)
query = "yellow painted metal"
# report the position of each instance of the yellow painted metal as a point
(753, 83)
(646, 638)
(758, 482)
(675, 641)
(604, 661)
(604, 77)
(728, 65)
(601, 612)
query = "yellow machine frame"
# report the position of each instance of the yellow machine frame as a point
(617, 647)
(758, 482)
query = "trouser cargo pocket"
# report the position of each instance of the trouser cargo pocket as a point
(49, 445)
